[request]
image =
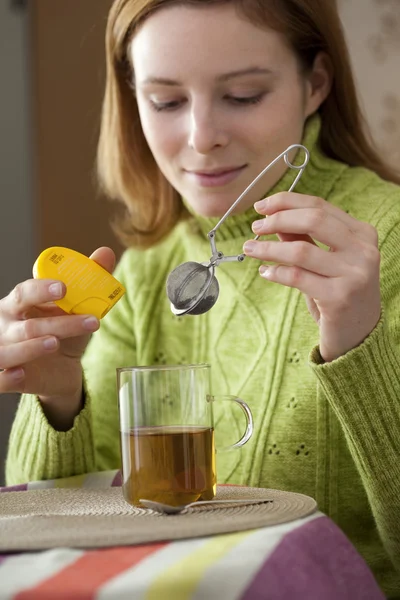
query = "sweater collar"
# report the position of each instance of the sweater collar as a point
(318, 179)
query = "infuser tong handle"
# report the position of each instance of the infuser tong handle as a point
(218, 257)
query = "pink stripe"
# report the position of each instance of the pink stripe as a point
(22, 487)
(117, 481)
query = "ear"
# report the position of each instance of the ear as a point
(318, 83)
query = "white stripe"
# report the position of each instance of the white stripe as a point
(38, 485)
(99, 480)
(133, 584)
(91, 480)
(18, 573)
(236, 569)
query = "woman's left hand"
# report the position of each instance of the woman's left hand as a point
(341, 286)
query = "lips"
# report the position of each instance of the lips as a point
(216, 172)
(215, 177)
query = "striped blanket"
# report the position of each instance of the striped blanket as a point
(307, 559)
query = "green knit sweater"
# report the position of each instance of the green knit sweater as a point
(329, 430)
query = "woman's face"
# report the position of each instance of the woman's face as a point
(218, 99)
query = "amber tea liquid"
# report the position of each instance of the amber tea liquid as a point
(170, 464)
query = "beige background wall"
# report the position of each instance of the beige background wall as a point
(49, 108)
(373, 33)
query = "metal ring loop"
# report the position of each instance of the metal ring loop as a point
(291, 165)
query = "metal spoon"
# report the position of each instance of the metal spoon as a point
(174, 510)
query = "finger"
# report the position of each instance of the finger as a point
(299, 254)
(61, 327)
(31, 293)
(292, 237)
(287, 201)
(317, 223)
(24, 352)
(48, 310)
(12, 380)
(315, 286)
(313, 308)
(104, 257)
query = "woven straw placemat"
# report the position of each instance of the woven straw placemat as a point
(93, 518)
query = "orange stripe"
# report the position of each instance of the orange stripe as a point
(83, 578)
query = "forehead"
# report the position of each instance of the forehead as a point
(214, 39)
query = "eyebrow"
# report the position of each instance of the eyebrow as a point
(224, 77)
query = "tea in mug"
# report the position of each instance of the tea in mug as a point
(170, 464)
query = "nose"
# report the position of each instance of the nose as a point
(206, 130)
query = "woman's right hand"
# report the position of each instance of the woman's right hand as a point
(41, 346)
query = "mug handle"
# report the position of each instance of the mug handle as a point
(249, 420)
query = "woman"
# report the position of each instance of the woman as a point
(200, 97)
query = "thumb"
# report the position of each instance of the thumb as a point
(104, 257)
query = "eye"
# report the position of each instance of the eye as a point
(165, 106)
(246, 100)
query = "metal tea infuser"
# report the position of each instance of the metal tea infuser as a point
(192, 287)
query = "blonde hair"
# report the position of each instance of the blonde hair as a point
(127, 171)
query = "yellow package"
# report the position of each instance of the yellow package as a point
(91, 290)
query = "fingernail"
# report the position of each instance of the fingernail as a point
(260, 205)
(56, 290)
(91, 323)
(257, 226)
(50, 343)
(16, 374)
(264, 271)
(249, 247)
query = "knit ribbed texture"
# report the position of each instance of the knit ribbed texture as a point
(331, 431)
(43, 453)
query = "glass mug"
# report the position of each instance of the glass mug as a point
(167, 433)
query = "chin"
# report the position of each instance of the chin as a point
(210, 208)
(210, 211)
(217, 211)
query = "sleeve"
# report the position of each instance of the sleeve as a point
(363, 389)
(36, 451)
